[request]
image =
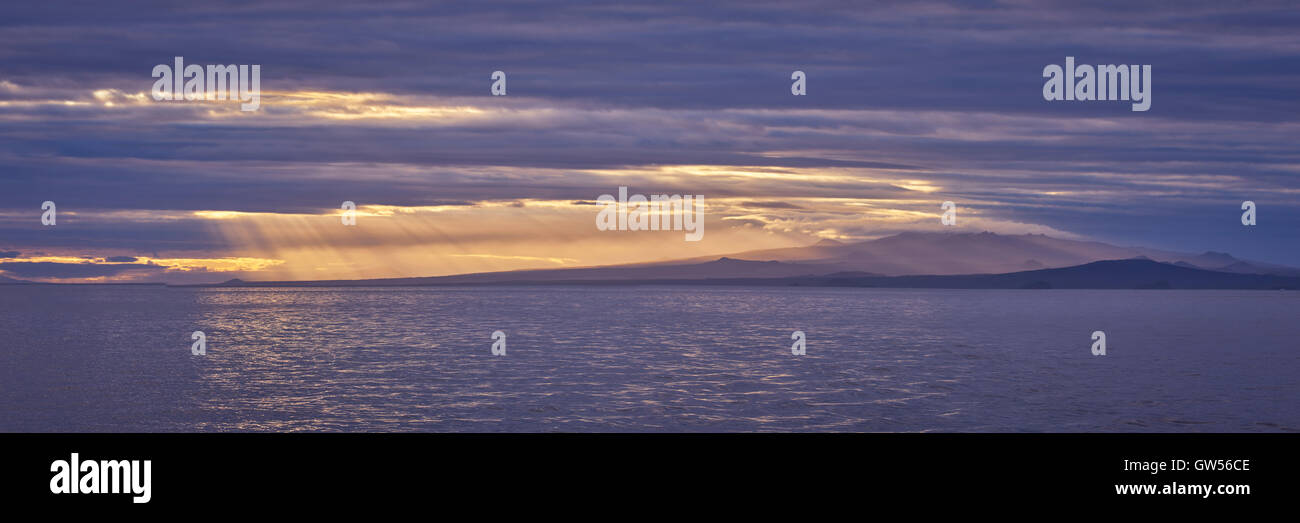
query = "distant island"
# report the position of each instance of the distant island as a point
(1108, 274)
(908, 260)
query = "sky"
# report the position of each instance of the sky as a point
(907, 105)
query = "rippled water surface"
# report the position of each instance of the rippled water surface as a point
(646, 358)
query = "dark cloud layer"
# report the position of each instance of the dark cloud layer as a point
(72, 270)
(1216, 60)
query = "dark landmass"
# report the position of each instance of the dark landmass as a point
(720, 268)
(1110, 274)
(958, 253)
(913, 259)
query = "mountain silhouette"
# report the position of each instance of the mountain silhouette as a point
(913, 259)
(942, 253)
(1110, 274)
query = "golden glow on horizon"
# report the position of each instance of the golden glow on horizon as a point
(390, 241)
(396, 241)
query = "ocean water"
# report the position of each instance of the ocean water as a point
(646, 358)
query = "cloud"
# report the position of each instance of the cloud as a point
(73, 270)
(909, 104)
